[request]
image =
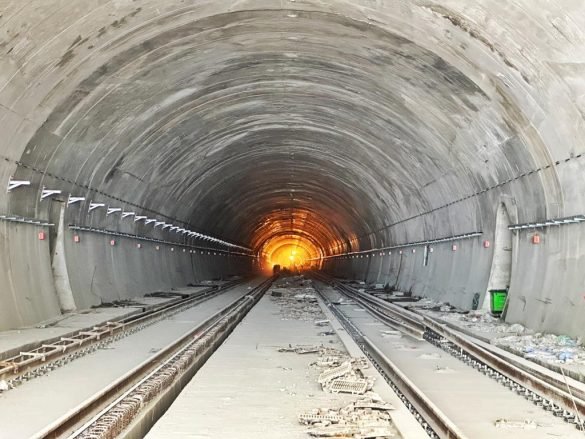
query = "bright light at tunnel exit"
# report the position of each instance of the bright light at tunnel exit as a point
(290, 252)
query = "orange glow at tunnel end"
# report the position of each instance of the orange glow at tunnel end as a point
(290, 252)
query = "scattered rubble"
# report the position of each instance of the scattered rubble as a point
(4, 386)
(297, 299)
(367, 417)
(546, 347)
(525, 424)
(301, 349)
(343, 374)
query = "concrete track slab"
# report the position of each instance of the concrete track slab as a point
(471, 400)
(30, 407)
(249, 390)
(19, 339)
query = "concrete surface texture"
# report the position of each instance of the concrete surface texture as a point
(350, 124)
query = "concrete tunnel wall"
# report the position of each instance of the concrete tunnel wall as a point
(354, 124)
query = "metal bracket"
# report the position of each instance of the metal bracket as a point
(93, 206)
(13, 184)
(46, 193)
(72, 200)
(138, 218)
(127, 214)
(112, 210)
(159, 223)
(172, 229)
(166, 226)
(149, 220)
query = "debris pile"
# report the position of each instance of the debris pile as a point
(478, 321)
(296, 298)
(367, 417)
(344, 376)
(545, 347)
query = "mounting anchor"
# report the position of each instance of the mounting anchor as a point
(93, 206)
(13, 184)
(138, 218)
(46, 193)
(72, 200)
(159, 223)
(127, 214)
(166, 226)
(149, 220)
(112, 210)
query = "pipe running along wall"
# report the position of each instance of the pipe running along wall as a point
(342, 125)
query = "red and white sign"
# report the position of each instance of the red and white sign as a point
(42, 236)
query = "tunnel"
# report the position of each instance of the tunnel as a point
(431, 146)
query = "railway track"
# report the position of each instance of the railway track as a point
(130, 406)
(53, 353)
(549, 391)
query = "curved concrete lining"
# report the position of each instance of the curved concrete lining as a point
(353, 124)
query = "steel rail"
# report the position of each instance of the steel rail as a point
(53, 353)
(435, 423)
(108, 412)
(547, 391)
(392, 315)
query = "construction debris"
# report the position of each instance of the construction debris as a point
(297, 299)
(301, 349)
(545, 347)
(368, 417)
(524, 424)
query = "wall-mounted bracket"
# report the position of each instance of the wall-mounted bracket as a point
(112, 210)
(46, 193)
(13, 184)
(166, 226)
(172, 229)
(72, 200)
(127, 214)
(159, 223)
(139, 218)
(94, 206)
(149, 220)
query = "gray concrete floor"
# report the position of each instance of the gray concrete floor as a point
(32, 406)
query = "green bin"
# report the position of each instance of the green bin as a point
(498, 300)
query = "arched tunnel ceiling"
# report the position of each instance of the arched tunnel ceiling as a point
(251, 120)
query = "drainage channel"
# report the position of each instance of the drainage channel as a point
(131, 405)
